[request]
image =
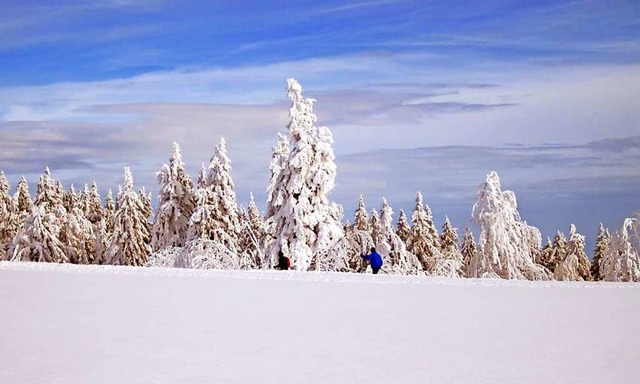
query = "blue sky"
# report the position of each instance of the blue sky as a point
(436, 93)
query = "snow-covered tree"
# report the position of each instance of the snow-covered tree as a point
(621, 260)
(145, 198)
(468, 250)
(93, 210)
(602, 242)
(38, 238)
(305, 223)
(402, 227)
(22, 198)
(102, 237)
(506, 243)
(129, 243)
(70, 199)
(449, 263)
(77, 237)
(48, 191)
(109, 211)
(253, 233)
(216, 213)
(392, 248)
(176, 203)
(361, 218)
(424, 241)
(202, 176)
(276, 192)
(201, 224)
(8, 217)
(221, 183)
(575, 266)
(558, 251)
(375, 226)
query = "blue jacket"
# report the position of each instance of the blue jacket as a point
(375, 259)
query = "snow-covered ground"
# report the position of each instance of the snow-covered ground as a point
(90, 324)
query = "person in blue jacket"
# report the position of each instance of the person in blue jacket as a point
(375, 259)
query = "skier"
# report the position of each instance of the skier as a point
(375, 259)
(283, 262)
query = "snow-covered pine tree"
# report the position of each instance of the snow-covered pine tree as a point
(575, 266)
(201, 224)
(468, 250)
(544, 256)
(38, 238)
(129, 243)
(602, 242)
(424, 241)
(252, 234)
(216, 213)
(392, 248)
(48, 191)
(102, 237)
(449, 238)
(77, 236)
(306, 224)
(8, 217)
(22, 198)
(202, 176)
(375, 226)
(558, 251)
(70, 199)
(93, 210)
(145, 198)
(576, 247)
(621, 260)
(402, 227)
(221, 186)
(506, 243)
(176, 203)
(109, 212)
(361, 218)
(357, 239)
(450, 262)
(276, 192)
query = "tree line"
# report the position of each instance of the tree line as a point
(201, 225)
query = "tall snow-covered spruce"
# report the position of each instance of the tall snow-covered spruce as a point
(302, 222)
(129, 243)
(602, 242)
(507, 245)
(215, 216)
(176, 203)
(424, 241)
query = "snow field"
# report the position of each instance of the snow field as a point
(101, 324)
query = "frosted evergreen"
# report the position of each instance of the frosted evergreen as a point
(22, 198)
(305, 225)
(176, 203)
(402, 227)
(602, 242)
(361, 218)
(449, 262)
(38, 239)
(507, 245)
(424, 241)
(468, 249)
(129, 243)
(621, 261)
(275, 191)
